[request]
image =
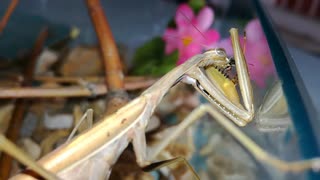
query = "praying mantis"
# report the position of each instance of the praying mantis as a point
(91, 154)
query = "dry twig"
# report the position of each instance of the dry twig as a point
(117, 97)
(7, 15)
(109, 52)
(91, 79)
(21, 105)
(72, 91)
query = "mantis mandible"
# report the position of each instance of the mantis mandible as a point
(91, 154)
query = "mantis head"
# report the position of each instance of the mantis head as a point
(212, 79)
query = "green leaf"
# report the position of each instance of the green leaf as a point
(150, 59)
(145, 69)
(171, 59)
(168, 63)
(196, 5)
(151, 50)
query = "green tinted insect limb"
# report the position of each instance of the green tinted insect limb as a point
(160, 164)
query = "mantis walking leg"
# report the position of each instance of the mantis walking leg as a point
(17, 153)
(255, 150)
(11, 149)
(88, 116)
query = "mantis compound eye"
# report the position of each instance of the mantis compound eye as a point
(216, 57)
(217, 51)
(221, 51)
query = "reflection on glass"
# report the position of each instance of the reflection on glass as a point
(273, 112)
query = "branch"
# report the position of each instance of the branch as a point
(21, 105)
(7, 15)
(89, 79)
(72, 91)
(110, 55)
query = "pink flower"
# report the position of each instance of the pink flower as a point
(186, 37)
(257, 52)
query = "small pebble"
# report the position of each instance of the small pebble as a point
(45, 61)
(30, 147)
(58, 121)
(29, 125)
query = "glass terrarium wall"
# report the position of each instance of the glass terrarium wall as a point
(139, 28)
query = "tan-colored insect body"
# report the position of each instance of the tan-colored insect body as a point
(91, 154)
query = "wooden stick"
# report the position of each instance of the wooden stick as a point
(8, 13)
(21, 105)
(91, 79)
(117, 96)
(110, 55)
(72, 91)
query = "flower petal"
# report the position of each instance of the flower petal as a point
(204, 19)
(184, 15)
(260, 82)
(169, 48)
(171, 38)
(254, 31)
(212, 36)
(187, 52)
